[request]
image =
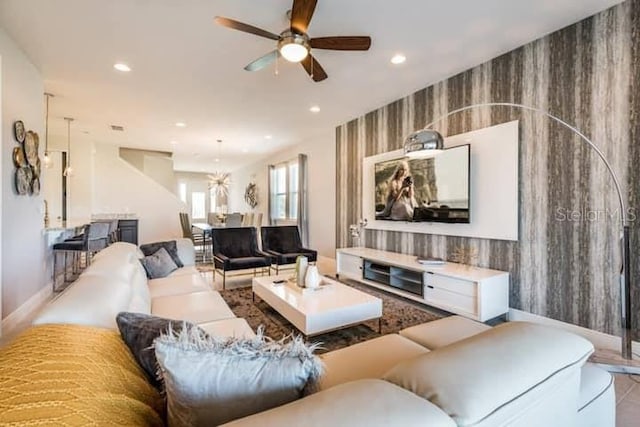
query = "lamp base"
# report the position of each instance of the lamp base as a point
(612, 361)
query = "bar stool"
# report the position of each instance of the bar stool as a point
(94, 237)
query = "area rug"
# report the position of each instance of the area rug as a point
(397, 314)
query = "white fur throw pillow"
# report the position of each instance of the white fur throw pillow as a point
(212, 380)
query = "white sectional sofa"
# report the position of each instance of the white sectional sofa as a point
(116, 281)
(450, 372)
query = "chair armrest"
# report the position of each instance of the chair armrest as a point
(273, 253)
(262, 254)
(221, 257)
(311, 251)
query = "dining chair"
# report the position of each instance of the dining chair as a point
(234, 220)
(198, 238)
(247, 219)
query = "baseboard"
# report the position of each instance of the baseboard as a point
(598, 339)
(26, 310)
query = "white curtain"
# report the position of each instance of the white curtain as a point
(303, 203)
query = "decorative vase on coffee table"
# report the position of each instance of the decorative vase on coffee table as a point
(302, 263)
(312, 278)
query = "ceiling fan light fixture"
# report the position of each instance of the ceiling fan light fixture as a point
(293, 47)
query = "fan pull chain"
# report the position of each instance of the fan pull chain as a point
(277, 63)
(312, 61)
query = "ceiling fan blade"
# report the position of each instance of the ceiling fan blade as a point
(313, 68)
(263, 61)
(241, 26)
(301, 15)
(341, 43)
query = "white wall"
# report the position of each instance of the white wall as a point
(119, 187)
(321, 152)
(22, 254)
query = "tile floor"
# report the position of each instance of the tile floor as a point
(627, 386)
(627, 400)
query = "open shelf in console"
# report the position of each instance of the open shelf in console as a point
(397, 277)
(377, 272)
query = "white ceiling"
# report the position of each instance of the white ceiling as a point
(185, 68)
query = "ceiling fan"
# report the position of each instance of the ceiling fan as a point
(294, 44)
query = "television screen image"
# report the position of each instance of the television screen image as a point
(434, 189)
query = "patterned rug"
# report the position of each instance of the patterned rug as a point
(397, 314)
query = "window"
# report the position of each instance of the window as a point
(182, 190)
(284, 191)
(198, 203)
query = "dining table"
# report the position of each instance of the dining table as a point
(206, 229)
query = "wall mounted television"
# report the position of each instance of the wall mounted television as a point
(433, 189)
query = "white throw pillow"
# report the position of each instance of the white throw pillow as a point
(210, 381)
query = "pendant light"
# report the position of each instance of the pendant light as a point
(217, 159)
(68, 170)
(47, 159)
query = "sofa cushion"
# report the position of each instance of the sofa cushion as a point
(362, 403)
(209, 381)
(236, 328)
(190, 269)
(177, 285)
(119, 266)
(517, 356)
(445, 331)
(170, 246)
(66, 375)
(91, 301)
(140, 295)
(186, 251)
(119, 249)
(139, 331)
(369, 359)
(159, 264)
(196, 307)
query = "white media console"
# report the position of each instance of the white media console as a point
(477, 293)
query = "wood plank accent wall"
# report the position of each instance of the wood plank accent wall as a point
(587, 74)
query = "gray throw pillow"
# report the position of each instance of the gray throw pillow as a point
(159, 264)
(170, 246)
(211, 380)
(139, 331)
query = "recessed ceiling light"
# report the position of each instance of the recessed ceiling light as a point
(245, 150)
(398, 59)
(122, 67)
(181, 124)
(174, 142)
(314, 109)
(217, 160)
(268, 137)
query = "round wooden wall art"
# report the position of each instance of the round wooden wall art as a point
(23, 180)
(19, 131)
(26, 160)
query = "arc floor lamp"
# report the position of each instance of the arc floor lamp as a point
(428, 140)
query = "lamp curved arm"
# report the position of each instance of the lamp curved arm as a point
(616, 181)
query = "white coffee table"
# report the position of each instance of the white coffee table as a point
(333, 306)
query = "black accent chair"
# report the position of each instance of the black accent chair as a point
(237, 249)
(284, 245)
